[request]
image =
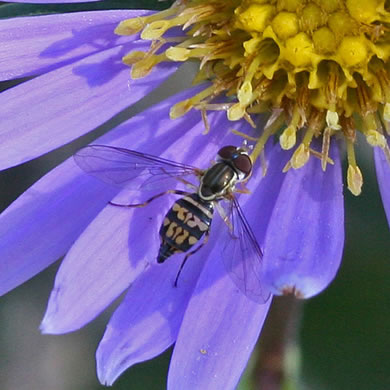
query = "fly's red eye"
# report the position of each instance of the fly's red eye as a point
(227, 152)
(243, 163)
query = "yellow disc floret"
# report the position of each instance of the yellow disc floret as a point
(364, 11)
(299, 50)
(352, 51)
(312, 17)
(321, 67)
(285, 24)
(324, 41)
(255, 17)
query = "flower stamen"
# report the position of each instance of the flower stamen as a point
(184, 106)
(302, 153)
(300, 157)
(354, 175)
(325, 147)
(273, 125)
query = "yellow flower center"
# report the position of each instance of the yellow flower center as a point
(320, 66)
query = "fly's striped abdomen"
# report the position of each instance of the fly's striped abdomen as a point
(184, 225)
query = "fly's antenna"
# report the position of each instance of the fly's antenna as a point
(245, 147)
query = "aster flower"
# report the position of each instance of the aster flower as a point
(320, 69)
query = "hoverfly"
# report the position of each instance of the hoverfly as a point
(190, 217)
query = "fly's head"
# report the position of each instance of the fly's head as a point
(238, 158)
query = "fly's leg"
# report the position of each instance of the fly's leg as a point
(198, 172)
(177, 192)
(206, 238)
(187, 183)
(225, 217)
(243, 189)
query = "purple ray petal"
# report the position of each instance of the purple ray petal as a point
(219, 330)
(258, 206)
(383, 176)
(148, 320)
(42, 223)
(126, 342)
(119, 243)
(35, 45)
(70, 306)
(66, 103)
(246, 269)
(113, 250)
(305, 237)
(215, 356)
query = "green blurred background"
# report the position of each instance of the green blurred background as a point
(344, 333)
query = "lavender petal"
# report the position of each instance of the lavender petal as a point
(305, 237)
(382, 165)
(69, 102)
(219, 331)
(38, 44)
(244, 266)
(42, 224)
(71, 306)
(148, 320)
(214, 353)
(102, 263)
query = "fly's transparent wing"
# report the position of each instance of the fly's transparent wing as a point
(130, 169)
(242, 255)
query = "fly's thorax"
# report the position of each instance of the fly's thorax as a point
(217, 181)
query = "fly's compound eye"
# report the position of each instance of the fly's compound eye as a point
(227, 152)
(243, 165)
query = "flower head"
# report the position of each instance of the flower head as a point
(319, 68)
(322, 63)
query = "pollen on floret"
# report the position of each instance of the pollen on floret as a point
(299, 50)
(386, 112)
(289, 5)
(364, 11)
(312, 17)
(255, 17)
(178, 53)
(324, 41)
(332, 120)
(352, 50)
(329, 5)
(354, 180)
(340, 23)
(285, 24)
(130, 26)
(288, 138)
(300, 156)
(155, 29)
(180, 109)
(374, 138)
(321, 68)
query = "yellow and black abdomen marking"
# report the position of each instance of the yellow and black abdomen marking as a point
(184, 225)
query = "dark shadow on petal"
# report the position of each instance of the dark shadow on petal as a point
(101, 72)
(327, 191)
(91, 36)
